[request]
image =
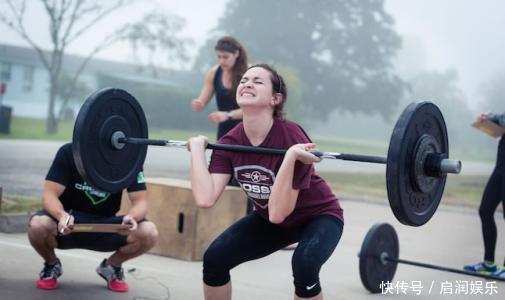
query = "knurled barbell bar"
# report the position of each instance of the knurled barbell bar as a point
(379, 257)
(110, 145)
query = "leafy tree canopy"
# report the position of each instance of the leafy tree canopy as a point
(343, 50)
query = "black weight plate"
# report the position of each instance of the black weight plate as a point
(381, 241)
(98, 162)
(410, 205)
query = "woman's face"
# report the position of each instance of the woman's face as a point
(226, 59)
(255, 89)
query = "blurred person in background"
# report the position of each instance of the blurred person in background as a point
(222, 81)
(494, 193)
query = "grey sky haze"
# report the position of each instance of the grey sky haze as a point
(465, 35)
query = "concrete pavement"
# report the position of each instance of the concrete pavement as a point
(452, 238)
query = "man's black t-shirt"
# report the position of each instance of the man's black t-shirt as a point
(80, 196)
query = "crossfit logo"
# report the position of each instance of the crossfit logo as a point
(94, 195)
(257, 182)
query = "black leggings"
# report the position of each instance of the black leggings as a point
(253, 237)
(494, 193)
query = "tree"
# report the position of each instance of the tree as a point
(70, 89)
(442, 88)
(494, 94)
(342, 49)
(158, 34)
(68, 20)
(293, 108)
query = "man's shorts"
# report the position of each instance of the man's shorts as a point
(103, 242)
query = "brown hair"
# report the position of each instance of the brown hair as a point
(278, 86)
(231, 45)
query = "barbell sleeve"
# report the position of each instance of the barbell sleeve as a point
(141, 141)
(450, 166)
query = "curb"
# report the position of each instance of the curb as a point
(14, 222)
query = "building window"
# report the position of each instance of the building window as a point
(5, 71)
(28, 76)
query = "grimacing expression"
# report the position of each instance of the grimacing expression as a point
(226, 59)
(255, 88)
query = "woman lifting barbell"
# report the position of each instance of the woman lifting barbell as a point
(292, 203)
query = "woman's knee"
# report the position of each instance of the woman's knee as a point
(215, 269)
(217, 263)
(304, 268)
(212, 258)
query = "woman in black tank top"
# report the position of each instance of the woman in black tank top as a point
(222, 80)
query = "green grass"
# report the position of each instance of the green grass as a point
(459, 190)
(30, 128)
(181, 135)
(17, 204)
(354, 146)
(35, 129)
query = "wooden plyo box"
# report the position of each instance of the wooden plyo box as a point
(185, 231)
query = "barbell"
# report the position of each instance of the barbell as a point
(110, 141)
(379, 257)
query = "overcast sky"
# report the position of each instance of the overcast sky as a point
(465, 35)
(200, 15)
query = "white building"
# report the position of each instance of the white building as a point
(28, 81)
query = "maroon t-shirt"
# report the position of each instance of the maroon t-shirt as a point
(256, 173)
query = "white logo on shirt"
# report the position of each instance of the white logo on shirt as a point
(256, 181)
(255, 176)
(309, 287)
(92, 191)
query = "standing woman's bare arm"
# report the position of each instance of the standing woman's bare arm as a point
(207, 91)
